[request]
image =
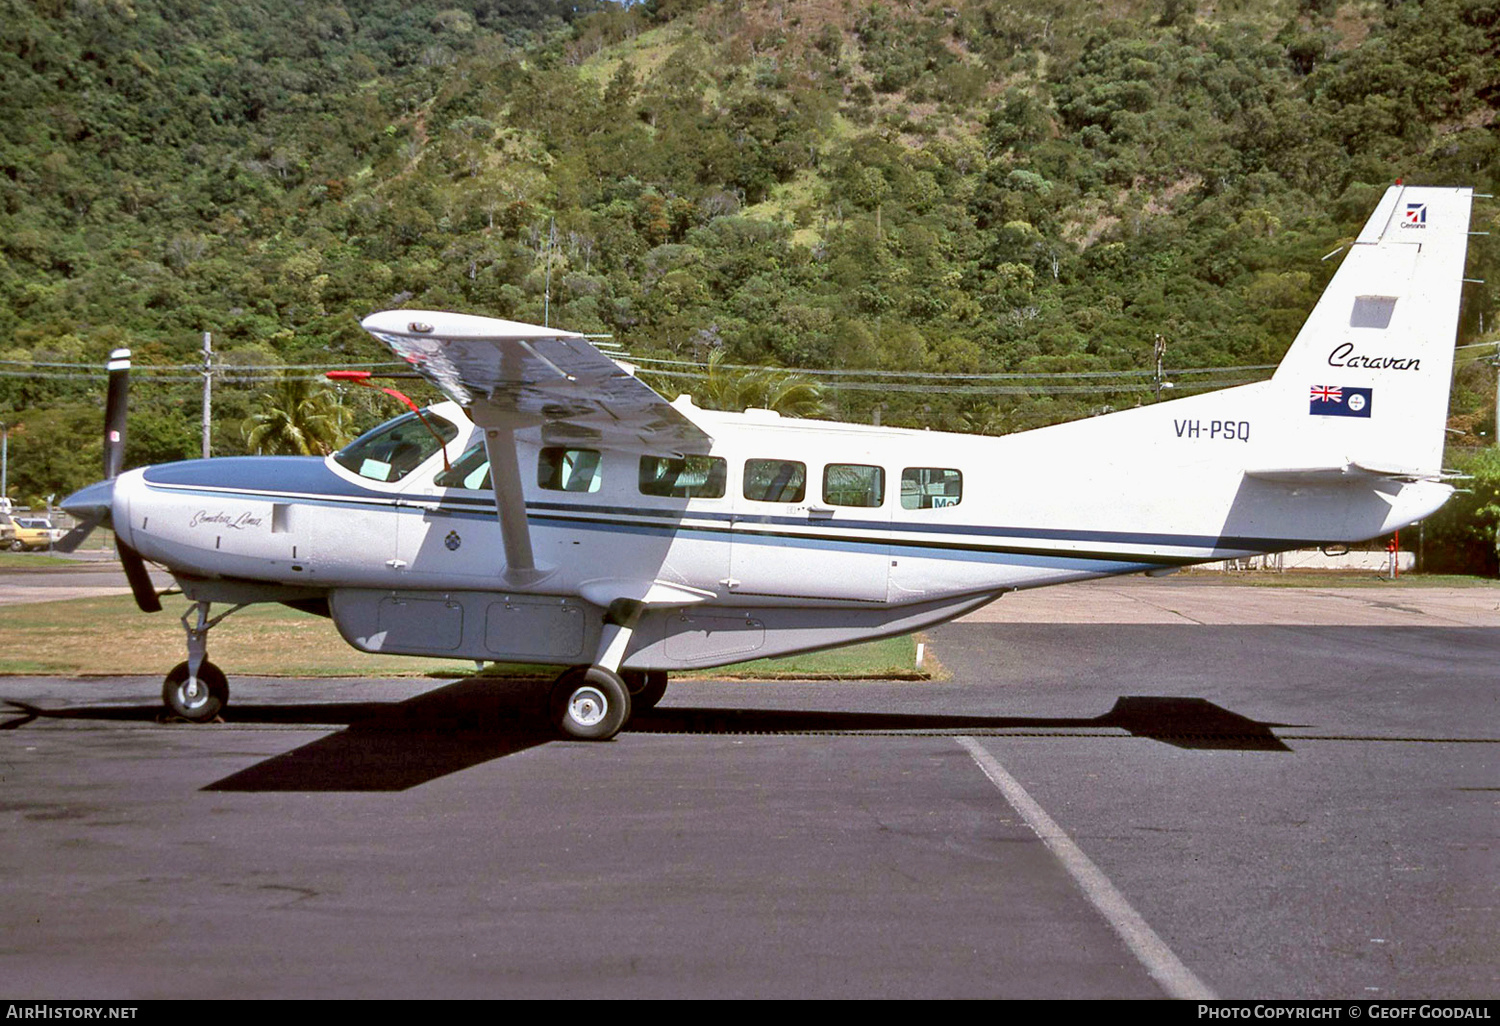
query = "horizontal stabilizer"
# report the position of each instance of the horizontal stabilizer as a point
(1347, 473)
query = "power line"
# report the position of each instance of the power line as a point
(1047, 384)
(942, 376)
(700, 368)
(1036, 389)
(227, 377)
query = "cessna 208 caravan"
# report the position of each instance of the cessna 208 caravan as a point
(556, 510)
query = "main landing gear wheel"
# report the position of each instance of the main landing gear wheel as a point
(646, 687)
(199, 699)
(589, 703)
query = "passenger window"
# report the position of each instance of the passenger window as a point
(775, 480)
(568, 470)
(397, 447)
(693, 477)
(853, 484)
(471, 471)
(930, 488)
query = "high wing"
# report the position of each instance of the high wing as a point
(524, 374)
(510, 377)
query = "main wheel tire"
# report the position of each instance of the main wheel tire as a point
(198, 701)
(589, 703)
(646, 687)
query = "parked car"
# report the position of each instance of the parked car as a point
(34, 533)
(7, 530)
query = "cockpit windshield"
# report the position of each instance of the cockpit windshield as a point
(397, 447)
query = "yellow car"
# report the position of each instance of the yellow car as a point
(34, 533)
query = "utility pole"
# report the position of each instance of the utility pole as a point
(1160, 349)
(4, 460)
(547, 293)
(208, 390)
(1495, 362)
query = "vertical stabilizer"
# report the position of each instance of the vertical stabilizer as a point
(1366, 381)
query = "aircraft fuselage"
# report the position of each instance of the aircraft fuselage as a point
(785, 535)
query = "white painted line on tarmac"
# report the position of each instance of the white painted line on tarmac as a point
(1163, 966)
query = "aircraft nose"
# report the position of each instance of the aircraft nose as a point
(93, 503)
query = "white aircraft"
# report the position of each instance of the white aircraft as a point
(558, 511)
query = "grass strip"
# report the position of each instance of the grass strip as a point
(110, 636)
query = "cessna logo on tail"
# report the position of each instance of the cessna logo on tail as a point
(1416, 216)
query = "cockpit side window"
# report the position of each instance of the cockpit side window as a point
(397, 447)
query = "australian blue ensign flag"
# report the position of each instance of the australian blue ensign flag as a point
(1337, 401)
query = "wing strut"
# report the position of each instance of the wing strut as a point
(510, 498)
(514, 377)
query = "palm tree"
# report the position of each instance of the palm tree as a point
(295, 419)
(735, 389)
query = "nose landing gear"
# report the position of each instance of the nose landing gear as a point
(197, 690)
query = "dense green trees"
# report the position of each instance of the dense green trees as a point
(1464, 536)
(967, 188)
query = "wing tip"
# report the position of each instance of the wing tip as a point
(449, 325)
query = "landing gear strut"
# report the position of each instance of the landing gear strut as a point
(592, 702)
(197, 690)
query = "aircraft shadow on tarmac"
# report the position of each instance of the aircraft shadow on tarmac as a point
(392, 746)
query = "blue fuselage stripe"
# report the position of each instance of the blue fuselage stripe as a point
(939, 541)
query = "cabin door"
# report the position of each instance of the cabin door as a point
(818, 537)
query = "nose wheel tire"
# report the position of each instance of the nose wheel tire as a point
(589, 703)
(200, 699)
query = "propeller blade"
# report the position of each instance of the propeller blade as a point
(140, 580)
(93, 505)
(114, 412)
(74, 538)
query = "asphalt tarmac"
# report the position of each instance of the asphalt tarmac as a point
(1106, 809)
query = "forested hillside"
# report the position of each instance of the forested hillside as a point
(954, 190)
